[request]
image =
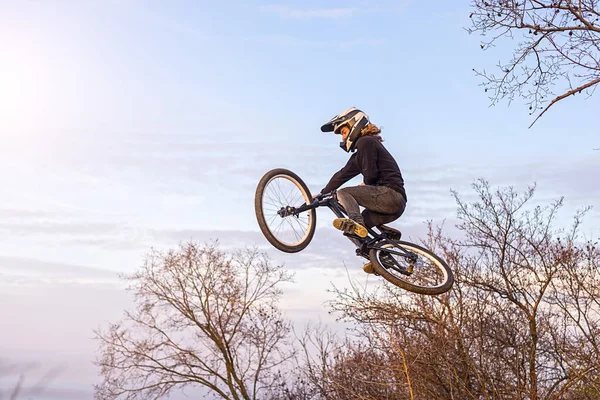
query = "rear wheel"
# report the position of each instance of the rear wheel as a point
(425, 273)
(278, 194)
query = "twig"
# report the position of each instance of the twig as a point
(562, 96)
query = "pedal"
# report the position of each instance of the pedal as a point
(391, 233)
(352, 236)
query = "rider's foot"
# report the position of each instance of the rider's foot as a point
(368, 268)
(349, 226)
(390, 232)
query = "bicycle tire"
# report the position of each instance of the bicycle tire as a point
(263, 221)
(446, 273)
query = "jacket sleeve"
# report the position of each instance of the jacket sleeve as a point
(368, 159)
(343, 175)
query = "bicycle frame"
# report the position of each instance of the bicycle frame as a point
(373, 241)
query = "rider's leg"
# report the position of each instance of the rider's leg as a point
(381, 204)
(380, 199)
(378, 219)
(373, 218)
(347, 198)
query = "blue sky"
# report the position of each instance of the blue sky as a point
(127, 125)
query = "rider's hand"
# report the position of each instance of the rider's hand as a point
(362, 184)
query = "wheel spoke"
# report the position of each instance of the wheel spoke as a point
(281, 192)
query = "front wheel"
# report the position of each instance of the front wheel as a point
(412, 267)
(278, 194)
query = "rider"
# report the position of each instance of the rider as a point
(381, 193)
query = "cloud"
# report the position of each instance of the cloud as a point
(23, 213)
(328, 250)
(57, 227)
(169, 163)
(228, 238)
(236, 167)
(21, 272)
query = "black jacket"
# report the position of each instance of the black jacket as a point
(374, 162)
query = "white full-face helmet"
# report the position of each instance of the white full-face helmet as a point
(355, 119)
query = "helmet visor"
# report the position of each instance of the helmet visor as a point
(336, 122)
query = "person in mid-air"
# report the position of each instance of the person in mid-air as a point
(381, 193)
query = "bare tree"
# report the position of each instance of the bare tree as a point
(521, 321)
(318, 348)
(427, 355)
(204, 319)
(539, 286)
(330, 368)
(556, 45)
(576, 301)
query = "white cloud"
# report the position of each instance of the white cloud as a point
(28, 272)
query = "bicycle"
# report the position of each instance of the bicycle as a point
(283, 200)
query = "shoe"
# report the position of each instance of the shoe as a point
(368, 268)
(350, 227)
(391, 233)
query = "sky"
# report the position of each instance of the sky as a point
(130, 125)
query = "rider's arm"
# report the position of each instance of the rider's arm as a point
(349, 171)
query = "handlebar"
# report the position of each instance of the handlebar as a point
(318, 200)
(323, 196)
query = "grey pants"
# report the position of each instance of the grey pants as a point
(382, 204)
